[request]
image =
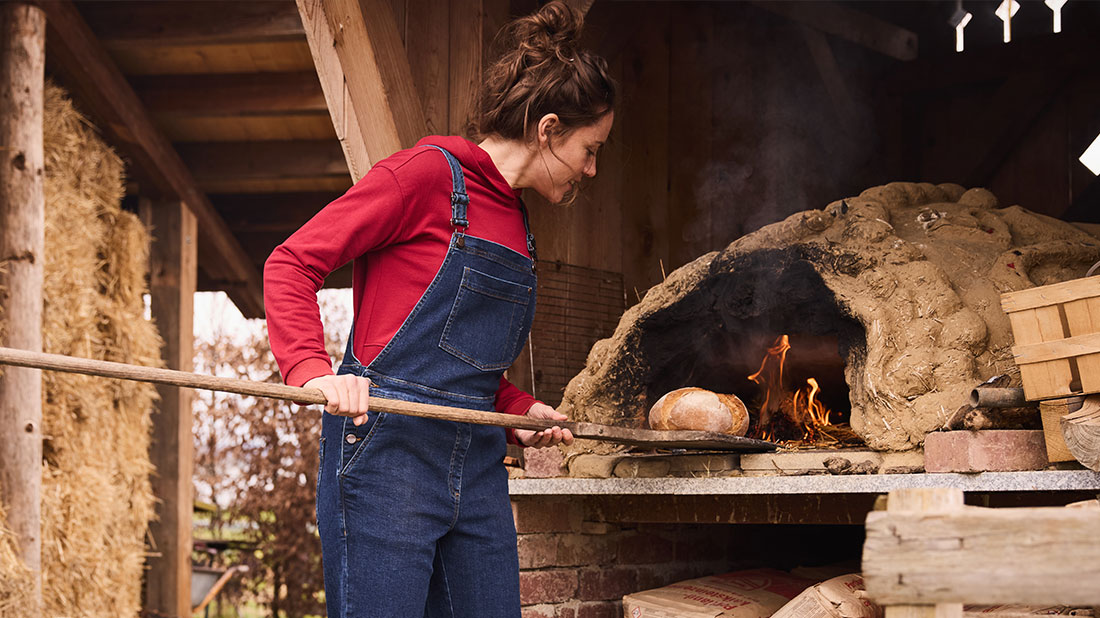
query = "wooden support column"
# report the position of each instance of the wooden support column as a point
(22, 235)
(173, 270)
(365, 75)
(924, 501)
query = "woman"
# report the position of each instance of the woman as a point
(413, 513)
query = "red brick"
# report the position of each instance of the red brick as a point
(541, 463)
(537, 551)
(548, 611)
(586, 550)
(607, 584)
(602, 609)
(988, 450)
(553, 586)
(542, 515)
(641, 548)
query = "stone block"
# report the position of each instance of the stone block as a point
(643, 467)
(993, 450)
(590, 466)
(543, 463)
(837, 461)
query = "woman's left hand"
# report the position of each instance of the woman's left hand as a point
(546, 437)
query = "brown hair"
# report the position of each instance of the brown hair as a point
(542, 72)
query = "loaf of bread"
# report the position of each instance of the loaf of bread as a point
(700, 410)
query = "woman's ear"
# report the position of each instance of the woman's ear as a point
(548, 125)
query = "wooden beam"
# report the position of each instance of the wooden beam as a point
(364, 70)
(322, 43)
(832, 77)
(102, 91)
(231, 94)
(220, 161)
(850, 25)
(134, 24)
(172, 281)
(998, 126)
(963, 554)
(581, 6)
(427, 40)
(1041, 53)
(22, 240)
(474, 23)
(270, 211)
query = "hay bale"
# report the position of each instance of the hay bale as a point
(96, 496)
(15, 577)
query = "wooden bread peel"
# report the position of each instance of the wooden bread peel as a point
(647, 438)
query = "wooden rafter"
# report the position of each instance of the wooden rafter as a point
(581, 5)
(997, 128)
(264, 160)
(1070, 51)
(102, 91)
(270, 212)
(231, 94)
(366, 78)
(849, 24)
(186, 22)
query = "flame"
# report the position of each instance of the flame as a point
(780, 407)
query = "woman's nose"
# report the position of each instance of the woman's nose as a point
(590, 169)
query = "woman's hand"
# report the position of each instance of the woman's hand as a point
(347, 395)
(546, 437)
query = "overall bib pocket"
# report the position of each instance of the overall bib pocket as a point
(484, 326)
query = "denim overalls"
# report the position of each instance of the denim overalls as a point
(414, 513)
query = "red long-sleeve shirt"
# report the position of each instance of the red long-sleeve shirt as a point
(395, 223)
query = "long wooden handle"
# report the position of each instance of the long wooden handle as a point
(171, 377)
(591, 431)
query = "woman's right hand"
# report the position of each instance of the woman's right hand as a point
(347, 395)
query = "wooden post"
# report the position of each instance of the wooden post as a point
(173, 271)
(931, 500)
(22, 236)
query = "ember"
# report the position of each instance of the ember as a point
(797, 418)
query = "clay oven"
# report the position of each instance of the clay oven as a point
(900, 284)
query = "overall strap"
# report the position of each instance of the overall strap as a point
(459, 199)
(530, 236)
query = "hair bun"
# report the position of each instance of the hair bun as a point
(552, 31)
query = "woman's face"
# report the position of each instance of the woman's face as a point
(566, 159)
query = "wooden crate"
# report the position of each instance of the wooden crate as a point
(1057, 332)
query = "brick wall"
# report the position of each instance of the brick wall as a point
(574, 568)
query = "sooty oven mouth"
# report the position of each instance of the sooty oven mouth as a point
(763, 337)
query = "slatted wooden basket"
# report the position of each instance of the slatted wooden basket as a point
(1057, 332)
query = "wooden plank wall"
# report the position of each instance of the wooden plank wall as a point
(732, 117)
(724, 125)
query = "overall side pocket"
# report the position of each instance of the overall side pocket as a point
(355, 440)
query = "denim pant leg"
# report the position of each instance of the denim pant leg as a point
(477, 566)
(381, 516)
